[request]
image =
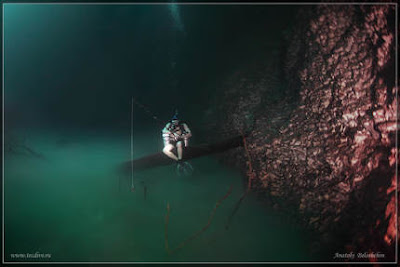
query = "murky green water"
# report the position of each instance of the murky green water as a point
(75, 68)
(70, 205)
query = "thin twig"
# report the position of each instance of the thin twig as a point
(251, 176)
(196, 234)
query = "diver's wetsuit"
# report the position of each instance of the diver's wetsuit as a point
(181, 131)
(173, 134)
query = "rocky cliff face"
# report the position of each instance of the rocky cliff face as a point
(326, 144)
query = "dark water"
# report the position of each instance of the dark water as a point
(70, 72)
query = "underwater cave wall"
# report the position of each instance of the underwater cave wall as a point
(330, 153)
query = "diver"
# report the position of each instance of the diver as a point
(175, 134)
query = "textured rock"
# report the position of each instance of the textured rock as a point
(331, 152)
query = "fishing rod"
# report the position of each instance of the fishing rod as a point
(134, 101)
(200, 127)
(147, 110)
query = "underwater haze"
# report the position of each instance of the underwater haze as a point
(70, 205)
(70, 72)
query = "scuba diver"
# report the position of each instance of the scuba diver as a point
(176, 134)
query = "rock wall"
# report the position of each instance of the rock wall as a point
(329, 152)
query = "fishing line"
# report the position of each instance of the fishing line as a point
(132, 185)
(152, 115)
(147, 110)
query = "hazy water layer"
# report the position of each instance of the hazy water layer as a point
(70, 205)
